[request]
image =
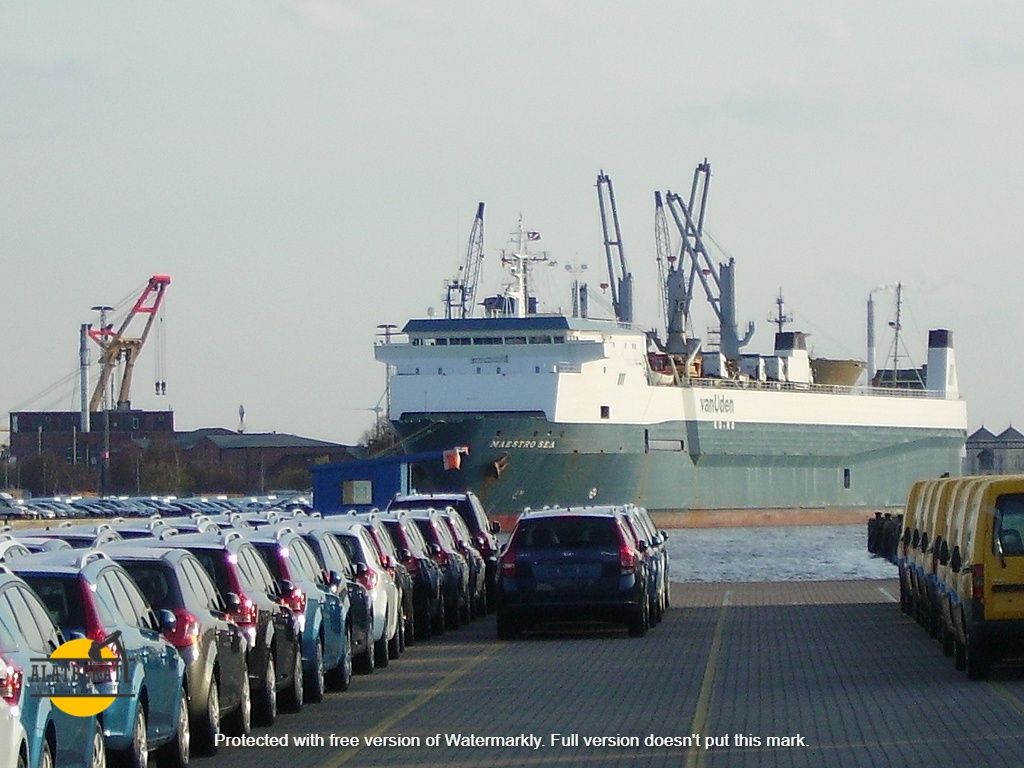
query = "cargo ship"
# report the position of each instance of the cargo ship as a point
(565, 408)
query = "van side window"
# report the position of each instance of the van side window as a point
(1009, 525)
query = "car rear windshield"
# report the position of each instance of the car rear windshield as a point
(213, 562)
(567, 532)
(156, 582)
(62, 596)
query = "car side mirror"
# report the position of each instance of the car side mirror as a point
(495, 526)
(404, 555)
(168, 621)
(641, 546)
(232, 601)
(955, 561)
(361, 569)
(282, 588)
(335, 579)
(906, 536)
(944, 552)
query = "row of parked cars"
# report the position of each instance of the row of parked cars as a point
(961, 567)
(213, 623)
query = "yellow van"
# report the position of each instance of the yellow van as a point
(986, 587)
(965, 496)
(910, 514)
(934, 523)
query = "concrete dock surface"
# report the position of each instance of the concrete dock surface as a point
(746, 674)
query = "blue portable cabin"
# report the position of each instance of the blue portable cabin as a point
(366, 483)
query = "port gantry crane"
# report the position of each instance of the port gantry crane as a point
(461, 293)
(695, 264)
(117, 345)
(621, 279)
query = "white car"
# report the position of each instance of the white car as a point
(378, 582)
(13, 742)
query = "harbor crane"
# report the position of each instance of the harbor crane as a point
(117, 345)
(460, 296)
(695, 263)
(619, 277)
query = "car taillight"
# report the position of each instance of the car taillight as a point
(627, 555)
(11, 679)
(186, 629)
(296, 600)
(978, 581)
(508, 562)
(246, 614)
(368, 578)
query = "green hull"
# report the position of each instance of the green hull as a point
(518, 461)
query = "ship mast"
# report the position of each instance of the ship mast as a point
(519, 264)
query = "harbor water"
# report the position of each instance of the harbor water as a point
(785, 553)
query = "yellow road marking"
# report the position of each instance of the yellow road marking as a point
(442, 685)
(695, 754)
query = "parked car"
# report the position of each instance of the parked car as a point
(472, 511)
(394, 565)
(78, 535)
(651, 543)
(414, 552)
(340, 573)
(194, 618)
(572, 564)
(477, 603)
(13, 739)
(90, 596)
(272, 630)
(453, 565)
(369, 572)
(323, 612)
(11, 548)
(53, 738)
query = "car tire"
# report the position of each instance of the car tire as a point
(508, 627)
(264, 706)
(137, 754)
(395, 641)
(340, 678)
(366, 661)
(424, 626)
(314, 681)
(46, 756)
(177, 752)
(206, 731)
(98, 758)
(439, 620)
(295, 693)
(639, 622)
(409, 636)
(239, 722)
(380, 653)
(977, 659)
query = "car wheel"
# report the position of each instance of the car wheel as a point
(206, 733)
(466, 607)
(46, 756)
(507, 626)
(380, 653)
(264, 708)
(410, 629)
(395, 641)
(977, 660)
(295, 694)
(366, 661)
(438, 622)
(639, 622)
(340, 678)
(239, 722)
(315, 677)
(137, 754)
(23, 757)
(177, 752)
(99, 748)
(424, 625)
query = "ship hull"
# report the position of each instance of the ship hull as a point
(518, 461)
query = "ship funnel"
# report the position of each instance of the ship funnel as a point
(941, 373)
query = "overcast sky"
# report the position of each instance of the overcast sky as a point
(307, 170)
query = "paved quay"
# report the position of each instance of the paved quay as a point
(742, 674)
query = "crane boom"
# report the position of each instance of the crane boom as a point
(117, 345)
(460, 293)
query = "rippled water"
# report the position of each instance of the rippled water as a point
(788, 553)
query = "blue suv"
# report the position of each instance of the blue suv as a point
(55, 739)
(91, 596)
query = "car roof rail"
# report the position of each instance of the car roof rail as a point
(280, 532)
(90, 556)
(230, 535)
